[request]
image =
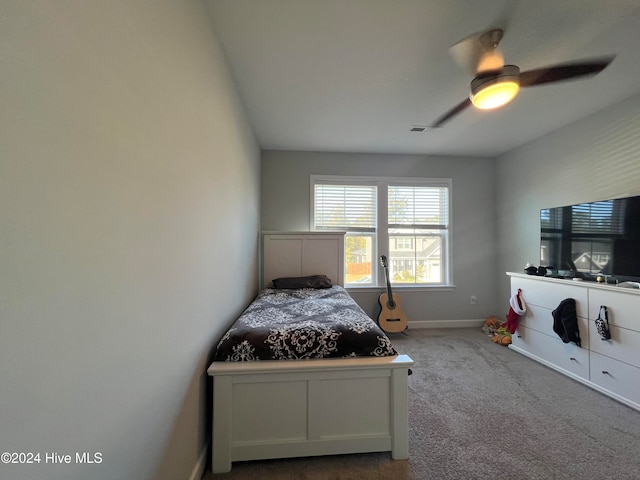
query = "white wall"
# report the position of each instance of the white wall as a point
(129, 186)
(596, 158)
(286, 206)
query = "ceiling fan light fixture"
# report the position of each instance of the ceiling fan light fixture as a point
(493, 90)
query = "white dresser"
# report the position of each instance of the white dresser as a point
(609, 366)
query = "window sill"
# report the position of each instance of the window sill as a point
(403, 288)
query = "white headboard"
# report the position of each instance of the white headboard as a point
(297, 254)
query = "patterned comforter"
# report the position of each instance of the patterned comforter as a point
(303, 324)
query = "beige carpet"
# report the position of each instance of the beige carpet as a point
(478, 410)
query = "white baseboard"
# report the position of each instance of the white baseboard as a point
(198, 470)
(469, 323)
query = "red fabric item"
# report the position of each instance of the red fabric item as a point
(512, 321)
(513, 316)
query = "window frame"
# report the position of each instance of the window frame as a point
(382, 236)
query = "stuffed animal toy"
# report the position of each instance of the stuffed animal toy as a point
(501, 339)
(491, 325)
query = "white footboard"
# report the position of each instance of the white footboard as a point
(280, 409)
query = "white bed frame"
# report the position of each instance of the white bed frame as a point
(296, 408)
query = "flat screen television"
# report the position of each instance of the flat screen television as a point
(588, 239)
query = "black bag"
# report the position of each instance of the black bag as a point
(602, 323)
(565, 321)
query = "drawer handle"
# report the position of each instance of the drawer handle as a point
(519, 336)
(605, 372)
(573, 358)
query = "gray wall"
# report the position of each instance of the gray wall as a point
(286, 206)
(129, 185)
(595, 158)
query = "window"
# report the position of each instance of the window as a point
(353, 208)
(406, 219)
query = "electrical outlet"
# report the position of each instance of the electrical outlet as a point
(474, 299)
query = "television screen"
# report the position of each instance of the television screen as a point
(593, 238)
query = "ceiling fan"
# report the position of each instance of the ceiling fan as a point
(496, 84)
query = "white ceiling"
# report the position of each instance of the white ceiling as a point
(356, 75)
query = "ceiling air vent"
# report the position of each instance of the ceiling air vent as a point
(420, 128)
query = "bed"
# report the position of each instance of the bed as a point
(333, 386)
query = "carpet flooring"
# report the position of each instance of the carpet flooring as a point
(478, 410)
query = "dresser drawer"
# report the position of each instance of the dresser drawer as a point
(624, 344)
(617, 377)
(567, 356)
(537, 318)
(549, 294)
(623, 308)
(541, 319)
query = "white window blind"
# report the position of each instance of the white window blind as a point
(345, 207)
(419, 207)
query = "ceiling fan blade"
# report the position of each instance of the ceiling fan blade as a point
(451, 113)
(560, 73)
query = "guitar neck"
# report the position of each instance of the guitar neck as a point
(389, 292)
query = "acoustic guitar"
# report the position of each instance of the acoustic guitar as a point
(391, 318)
